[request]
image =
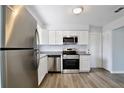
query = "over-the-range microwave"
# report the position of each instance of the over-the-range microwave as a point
(70, 40)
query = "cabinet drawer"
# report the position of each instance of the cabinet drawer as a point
(84, 63)
(84, 58)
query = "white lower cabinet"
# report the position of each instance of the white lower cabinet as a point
(42, 69)
(84, 63)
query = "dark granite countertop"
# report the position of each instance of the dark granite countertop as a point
(51, 52)
(82, 53)
(60, 53)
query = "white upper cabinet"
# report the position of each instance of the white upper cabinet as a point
(82, 37)
(52, 37)
(66, 33)
(59, 37)
(73, 33)
(43, 35)
(69, 33)
(56, 37)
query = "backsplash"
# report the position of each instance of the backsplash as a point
(61, 47)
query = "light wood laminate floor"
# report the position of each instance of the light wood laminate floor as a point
(97, 78)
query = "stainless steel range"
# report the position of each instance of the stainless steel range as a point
(70, 61)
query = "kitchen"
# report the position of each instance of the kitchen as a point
(70, 41)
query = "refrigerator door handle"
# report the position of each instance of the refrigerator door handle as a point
(36, 57)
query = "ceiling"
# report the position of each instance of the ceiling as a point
(53, 15)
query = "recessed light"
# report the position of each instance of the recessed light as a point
(77, 10)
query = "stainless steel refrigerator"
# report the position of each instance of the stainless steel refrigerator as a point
(19, 68)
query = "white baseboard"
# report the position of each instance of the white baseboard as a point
(114, 72)
(117, 72)
(108, 69)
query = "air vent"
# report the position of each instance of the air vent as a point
(119, 9)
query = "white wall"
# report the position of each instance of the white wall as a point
(95, 46)
(107, 43)
(118, 50)
(35, 14)
(114, 25)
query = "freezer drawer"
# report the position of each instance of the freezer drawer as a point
(19, 69)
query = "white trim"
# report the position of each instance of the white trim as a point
(117, 72)
(81, 71)
(66, 27)
(107, 70)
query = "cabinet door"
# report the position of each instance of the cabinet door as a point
(84, 63)
(45, 65)
(40, 33)
(66, 33)
(59, 37)
(82, 37)
(42, 69)
(40, 72)
(43, 35)
(52, 35)
(69, 33)
(85, 66)
(73, 33)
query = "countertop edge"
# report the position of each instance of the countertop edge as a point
(43, 55)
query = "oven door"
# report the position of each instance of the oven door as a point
(70, 65)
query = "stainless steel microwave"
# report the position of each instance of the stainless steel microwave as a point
(70, 40)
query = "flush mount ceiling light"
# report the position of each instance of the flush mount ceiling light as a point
(77, 10)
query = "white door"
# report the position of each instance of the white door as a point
(95, 48)
(107, 41)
